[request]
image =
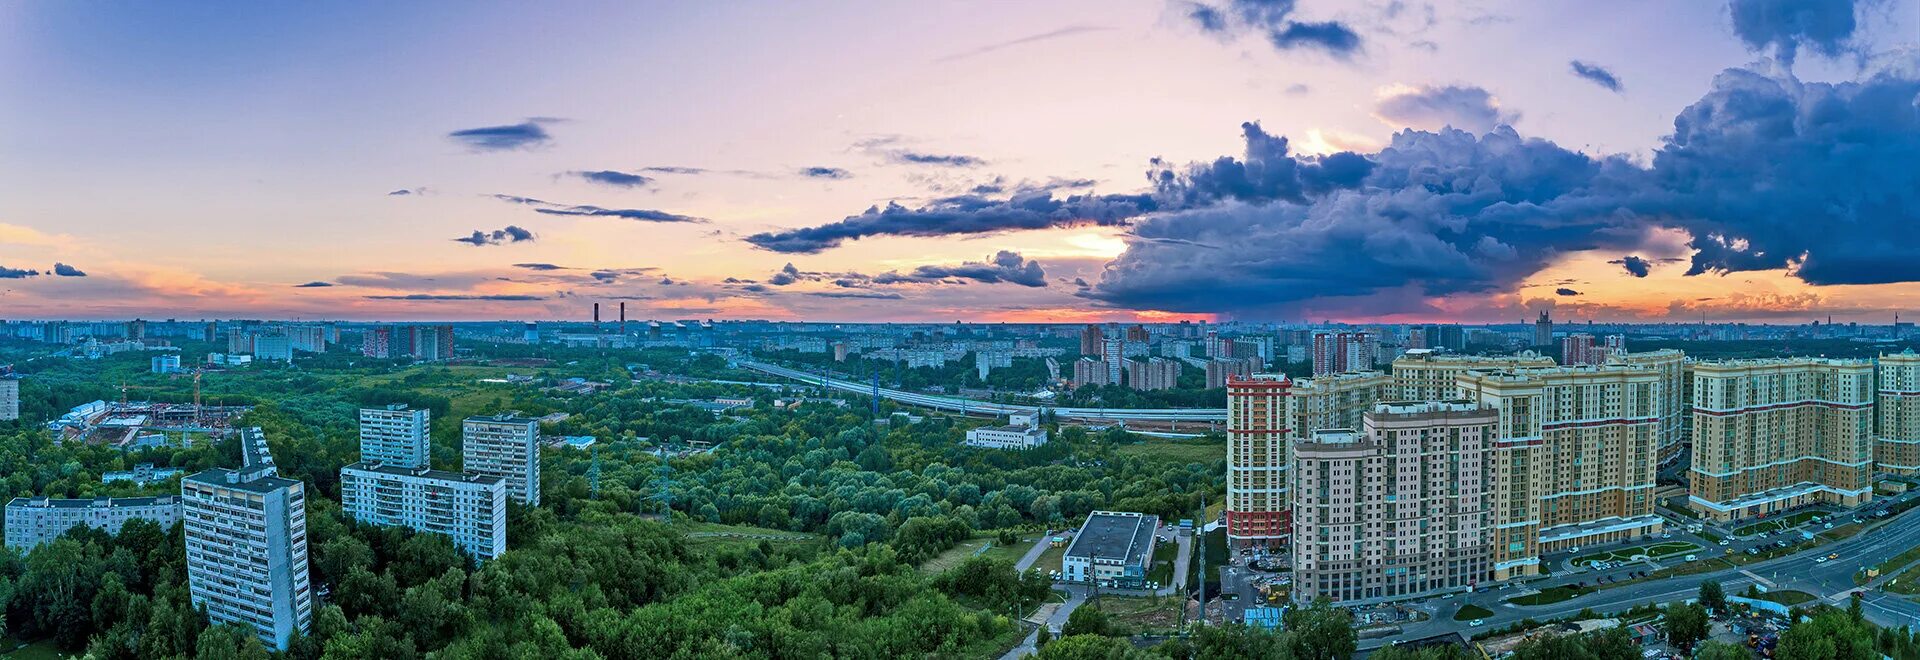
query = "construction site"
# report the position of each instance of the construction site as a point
(131, 425)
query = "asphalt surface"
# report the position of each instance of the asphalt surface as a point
(1803, 571)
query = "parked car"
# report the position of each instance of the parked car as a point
(1477, 623)
(1725, 542)
(1693, 557)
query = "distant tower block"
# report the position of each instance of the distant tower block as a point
(596, 314)
(623, 318)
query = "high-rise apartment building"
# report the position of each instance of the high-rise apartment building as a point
(469, 509)
(507, 447)
(9, 398)
(395, 435)
(377, 343)
(1090, 339)
(1153, 374)
(32, 521)
(246, 538)
(1896, 444)
(1337, 352)
(1220, 370)
(1770, 435)
(1675, 408)
(1266, 412)
(1396, 510)
(1137, 333)
(1090, 371)
(1113, 354)
(1257, 437)
(1543, 330)
(1579, 348)
(1425, 375)
(1573, 458)
(272, 346)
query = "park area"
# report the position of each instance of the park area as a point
(1655, 551)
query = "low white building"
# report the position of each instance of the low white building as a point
(1114, 548)
(1007, 437)
(142, 474)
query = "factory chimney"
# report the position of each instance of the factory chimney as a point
(623, 318)
(596, 315)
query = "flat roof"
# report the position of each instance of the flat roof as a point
(443, 475)
(1124, 537)
(508, 418)
(91, 502)
(218, 477)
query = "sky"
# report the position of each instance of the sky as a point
(1266, 160)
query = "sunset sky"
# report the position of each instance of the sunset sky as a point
(935, 161)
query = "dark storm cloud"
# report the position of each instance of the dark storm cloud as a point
(825, 173)
(1005, 266)
(1274, 21)
(404, 192)
(1430, 108)
(1635, 266)
(1566, 292)
(64, 270)
(966, 214)
(1783, 27)
(612, 178)
(313, 285)
(511, 234)
(524, 135)
(16, 273)
(540, 266)
(1764, 173)
(1265, 171)
(1598, 75)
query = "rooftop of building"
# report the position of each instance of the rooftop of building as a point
(89, 503)
(429, 473)
(1419, 355)
(503, 418)
(1422, 407)
(239, 480)
(1808, 361)
(1116, 536)
(1333, 437)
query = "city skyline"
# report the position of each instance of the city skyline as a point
(1058, 162)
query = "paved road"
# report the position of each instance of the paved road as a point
(1801, 571)
(1033, 553)
(1076, 596)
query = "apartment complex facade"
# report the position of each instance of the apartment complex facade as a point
(246, 540)
(9, 398)
(1573, 457)
(469, 509)
(1425, 375)
(395, 436)
(1337, 352)
(1264, 413)
(504, 446)
(1771, 435)
(1896, 441)
(32, 521)
(1675, 406)
(1395, 510)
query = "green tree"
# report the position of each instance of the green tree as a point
(1713, 597)
(1089, 647)
(1609, 644)
(1087, 619)
(1321, 631)
(1721, 651)
(1832, 635)
(1685, 625)
(1042, 636)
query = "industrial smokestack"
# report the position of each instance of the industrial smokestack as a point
(596, 314)
(623, 318)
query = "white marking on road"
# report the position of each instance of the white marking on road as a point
(1757, 578)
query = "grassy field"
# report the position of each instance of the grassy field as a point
(1013, 553)
(956, 554)
(1185, 452)
(1151, 613)
(1907, 583)
(1552, 595)
(14, 649)
(705, 534)
(1471, 612)
(1625, 554)
(1163, 556)
(1050, 560)
(1777, 524)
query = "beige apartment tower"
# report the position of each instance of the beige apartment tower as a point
(1573, 458)
(1771, 435)
(1673, 407)
(1423, 375)
(1896, 445)
(1397, 510)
